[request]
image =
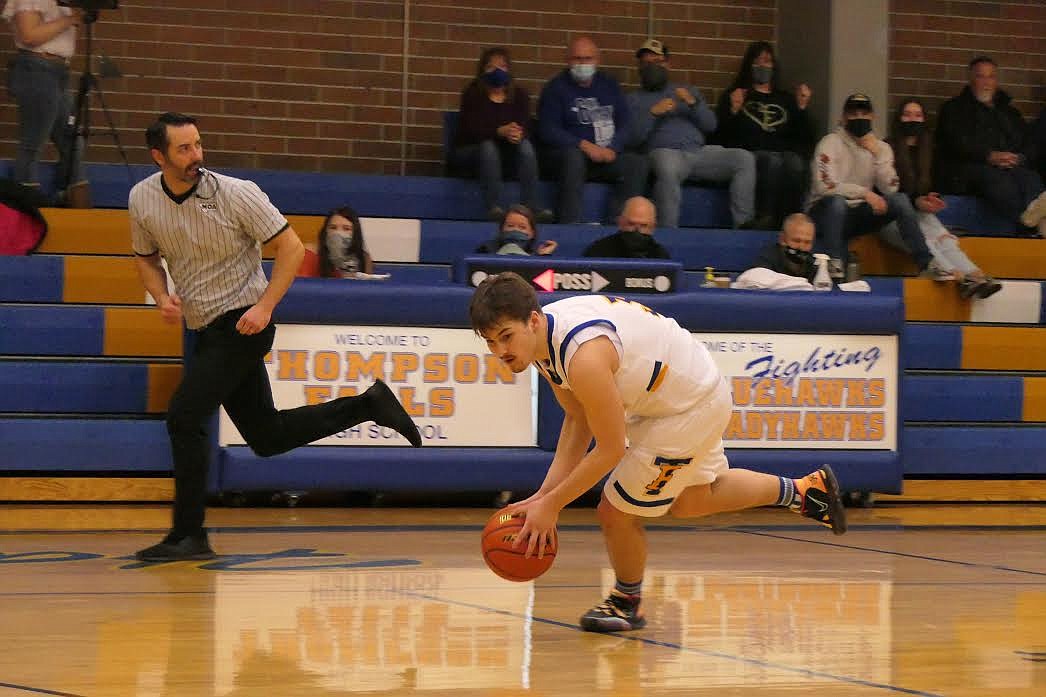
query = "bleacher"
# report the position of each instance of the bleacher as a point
(86, 367)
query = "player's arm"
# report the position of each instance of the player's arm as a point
(592, 381)
(574, 437)
(288, 251)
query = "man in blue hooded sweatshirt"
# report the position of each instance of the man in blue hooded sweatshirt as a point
(583, 121)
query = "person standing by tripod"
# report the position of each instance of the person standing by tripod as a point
(38, 79)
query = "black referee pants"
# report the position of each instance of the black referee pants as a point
(227, 368)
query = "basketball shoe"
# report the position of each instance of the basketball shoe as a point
(172, 548)
(618, 613)
(817, 496)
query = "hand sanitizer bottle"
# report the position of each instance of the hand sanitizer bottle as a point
(822, 281)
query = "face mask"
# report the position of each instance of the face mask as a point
(338, 246)
(582, 72)
(761, 74)
(800, 257)
(498, 77)
(517, 236)
(859, 127)
(636, 243)
(653, 77)
(912, 128)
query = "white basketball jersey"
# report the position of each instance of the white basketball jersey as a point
(663, 369)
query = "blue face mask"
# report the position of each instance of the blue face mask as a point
(582, 72)
(498, 77)
(518, 236)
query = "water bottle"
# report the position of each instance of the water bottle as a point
(853, 269)
(822, 281)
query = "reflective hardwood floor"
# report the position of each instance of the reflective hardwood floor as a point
(914, 600)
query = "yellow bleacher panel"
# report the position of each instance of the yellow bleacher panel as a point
(1034, 399)
(1005, 257)
(86, 231)
(1003, 348)
(94, 279)
(140, 332)
(163, 381)
(929, 301)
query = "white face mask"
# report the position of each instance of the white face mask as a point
(582, 72)
(338, 250)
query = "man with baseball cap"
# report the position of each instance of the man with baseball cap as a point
(671, 123)
(855, 188)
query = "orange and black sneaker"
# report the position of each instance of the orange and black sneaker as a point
(817, 497)
(618, 613)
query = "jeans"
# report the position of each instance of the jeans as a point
(628, 174)
(227, 368)
(492, 160)
(712, 163)
(1008, 190)
(781, 179)
(837, 222)
(943, 245)
(39, 86)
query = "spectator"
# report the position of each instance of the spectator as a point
(583, 121)
(634, 238)
(38, 79)
(792, 254)
(854, 189)
(913, 154)
(493, 133)
(517, 234)
(1035, 214)
(984, 146)
(340, 249)
(672, 123)
(756, 115)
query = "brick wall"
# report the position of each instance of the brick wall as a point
(317, 85)
(932, 41)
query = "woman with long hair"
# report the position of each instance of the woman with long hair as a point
(912, 145)
(340, 249)
(517, 234)
(756, 115)
(492, 140)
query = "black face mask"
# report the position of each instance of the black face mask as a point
(653, 76)
(911, 128)
(636, 243)
(799, 257)
(859, 127)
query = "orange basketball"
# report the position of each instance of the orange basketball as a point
(511, 564)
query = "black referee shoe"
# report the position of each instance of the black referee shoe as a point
(387, 411)
(185, 549)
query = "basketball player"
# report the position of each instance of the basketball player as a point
(209, 228)
(622, 371)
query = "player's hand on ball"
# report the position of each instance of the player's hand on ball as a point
(539, 527)
(254, 320)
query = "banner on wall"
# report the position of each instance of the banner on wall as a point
(457, 393)
(809, 391)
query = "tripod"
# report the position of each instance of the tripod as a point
(79, 126)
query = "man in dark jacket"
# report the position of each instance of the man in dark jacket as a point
(634, 238)
(984, 146)
(791, 254)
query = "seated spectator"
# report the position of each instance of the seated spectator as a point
(672, 122)
(984, 146)
(583, 122)
(634, 238)
(913, 154)
(492, 138)
(1035, 214)
(517, 234)
(792, 254)
(854, 190)
(340, 250)
(756, 115)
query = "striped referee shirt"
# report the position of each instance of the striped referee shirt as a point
(211, 238)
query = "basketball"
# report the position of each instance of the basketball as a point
(511, 564)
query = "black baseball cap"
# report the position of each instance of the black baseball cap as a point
(856, 101)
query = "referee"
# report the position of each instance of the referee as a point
(209, 228)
